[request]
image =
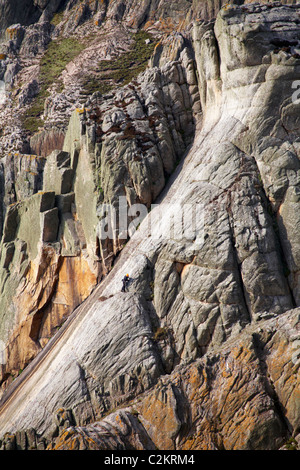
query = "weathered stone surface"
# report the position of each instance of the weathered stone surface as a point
(226, 400)
(202, 352)
(50, 225)
(58, 174)
(45, 142)
(37, 280)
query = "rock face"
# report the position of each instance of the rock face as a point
(202, 351)
(123, 144)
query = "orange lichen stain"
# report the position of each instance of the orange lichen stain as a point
(118, 419)
(52, 288)
(185, 269)
(195, 380)
(159, 411)
(280, 358)
(75, 283)
(149, 24)
(12, 32)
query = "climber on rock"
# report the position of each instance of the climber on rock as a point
(125, 281)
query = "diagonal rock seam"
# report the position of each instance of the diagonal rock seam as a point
(213, 298)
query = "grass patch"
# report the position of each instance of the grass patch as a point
(91, 85)
(111, 74)
(291, 444)
(121, 71)
(57, 17)
(58, 55)
(160, 334)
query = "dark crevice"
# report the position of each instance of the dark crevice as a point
(261, 353)
(273, 217)
(280, 249)
(244, 294)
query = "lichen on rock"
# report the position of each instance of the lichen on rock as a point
(201, 353)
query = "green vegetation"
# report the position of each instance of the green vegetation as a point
(91, 85)
(160, 334)
(291, 444)
(124, 69)
(58, 55)
(110, 73)
(152, 290)
(57, 17)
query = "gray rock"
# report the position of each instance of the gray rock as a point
(58, 174)
(187, 337)
(49, 225)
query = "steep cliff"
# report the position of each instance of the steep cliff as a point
(187, 111)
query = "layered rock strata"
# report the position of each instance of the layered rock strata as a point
(201, 353)
(121, 145)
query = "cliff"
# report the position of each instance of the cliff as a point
(186, 112)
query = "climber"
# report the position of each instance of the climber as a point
(125, 281)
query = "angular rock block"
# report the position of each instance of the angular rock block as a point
(49, 225)
(58, 173)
